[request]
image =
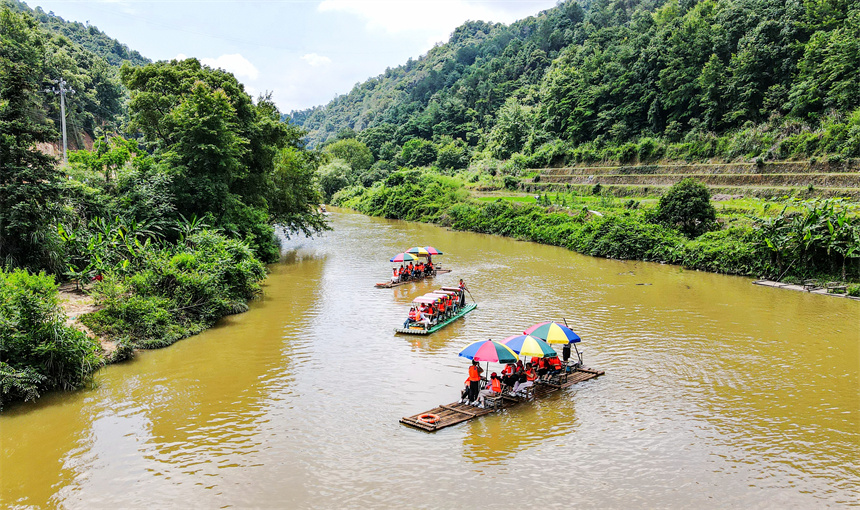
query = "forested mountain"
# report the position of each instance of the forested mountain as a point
(618, 80)
(88, 37)
(88, 60)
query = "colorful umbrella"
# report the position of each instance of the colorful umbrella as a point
(433, 251)
(417, 250)
(404, 257)
(489, 351)
(527, 345)
(553, 333)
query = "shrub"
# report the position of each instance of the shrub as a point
(178, 292)
(38, 352)
(687, 206)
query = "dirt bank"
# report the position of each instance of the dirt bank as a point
(76, 303)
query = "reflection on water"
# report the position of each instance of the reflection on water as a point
(717, 393)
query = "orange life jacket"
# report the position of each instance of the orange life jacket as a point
(413, 314)
(496, 385)
(555, 362)
(474, 375)
(531, 375)
(508, 370)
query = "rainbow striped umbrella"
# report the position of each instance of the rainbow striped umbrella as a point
(553, 333)
(489, 351)
(527, 345)
(433, 251)
(418, 250)
(404, 257)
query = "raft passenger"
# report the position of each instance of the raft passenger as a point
(527, 379)
(494, 389)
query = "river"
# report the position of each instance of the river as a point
(717, 393)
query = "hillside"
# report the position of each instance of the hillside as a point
(617, 82)
(88, 37)
(88, 60)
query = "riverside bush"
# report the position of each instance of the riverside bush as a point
(627, 234)
(38, 352)
(178, 291)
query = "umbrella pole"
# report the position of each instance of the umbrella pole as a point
(578, 355)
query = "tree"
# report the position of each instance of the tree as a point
(355, 153)
(334, 177)
(417, 152)
(687, 206)
(221, 150)
(293, 194)
(511, 130)
(29, 179)
(454, 155)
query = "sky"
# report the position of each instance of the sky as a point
(305, 52)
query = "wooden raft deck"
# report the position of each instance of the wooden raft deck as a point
(452, 414)
(417, 330)
(388, 285)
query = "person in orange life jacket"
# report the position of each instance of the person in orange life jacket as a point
(394, 277)
(430, 267)
(543, 367)
(442, 308)
(413, 316)
(494, 389)
(527, 379)
(423, 317)
(475, 371)
(554, 364)
(509, 374)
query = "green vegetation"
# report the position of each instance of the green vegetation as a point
(168, 223)
(177, 291)
(611, 81)
(687, 206)
(87, 37)
(38, 352)
(822, 240)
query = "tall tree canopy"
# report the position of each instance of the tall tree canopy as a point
(29, 179)
(221, 148)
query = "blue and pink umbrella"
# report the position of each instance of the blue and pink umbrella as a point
(489, 351)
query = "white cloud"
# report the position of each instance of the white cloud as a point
(316, 60)
(234, 63)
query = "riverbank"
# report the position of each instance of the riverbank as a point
(57, 336)
(76, 303)
(816, 240)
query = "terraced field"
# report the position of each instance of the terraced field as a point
(801, 179)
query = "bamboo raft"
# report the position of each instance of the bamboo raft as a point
(452, 414)
(418, 330)
(388, 285)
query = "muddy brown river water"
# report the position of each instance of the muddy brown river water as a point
(717, 394)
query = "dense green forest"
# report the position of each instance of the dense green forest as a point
(167, 221)
(615, 81)
(88, 60)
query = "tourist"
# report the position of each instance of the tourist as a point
(527, 379)
(509, 374)
(494, 389)
(413, 316)
(394, 277)
(475, 371)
